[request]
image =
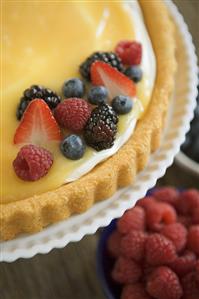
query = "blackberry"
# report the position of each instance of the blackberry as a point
(108, 57)
(101, 128)
(39, 92)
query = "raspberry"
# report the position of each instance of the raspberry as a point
(197, 273)
(134, 291)
(147, 270)
(193, 239)
(177, 233)
(126, 271)
(133, 244)
(158, 214)
(130, 52)
(133, 219)
(195, 216)
(167, 194)
(185, 220)
(159, 250)
(190, 287)
(145, 202)
(189, 201)
(32, 162)
(184, 264)
(73, 114)
(113, 244)
(163, 283)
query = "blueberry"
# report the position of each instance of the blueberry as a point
(122, 104)
(73, 88)
(134, 73)
(73, 147)
(97, 95)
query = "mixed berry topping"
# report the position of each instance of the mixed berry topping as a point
(73, 147)
(101, 128)
(45, 118)
(108, 57)
(98, 95)
(32, 162)
(122, 104)
(37, 92)
(73, 114)
(73, 88)
(162, 248)
(130, 52)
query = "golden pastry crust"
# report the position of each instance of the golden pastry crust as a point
(34, 213)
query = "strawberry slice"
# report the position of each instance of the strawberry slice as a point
(116, 82)
(38, 125)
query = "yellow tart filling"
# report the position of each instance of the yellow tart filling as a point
(44, 43)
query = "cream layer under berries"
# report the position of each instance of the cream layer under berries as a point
(63, 133)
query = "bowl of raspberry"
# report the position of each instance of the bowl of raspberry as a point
(152, 251)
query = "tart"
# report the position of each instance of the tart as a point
(67, 185)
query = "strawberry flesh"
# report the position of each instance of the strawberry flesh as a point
(116, 82)
(38, 125)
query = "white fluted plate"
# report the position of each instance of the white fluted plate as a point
(101, 214)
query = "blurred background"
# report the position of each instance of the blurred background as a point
(71, 272)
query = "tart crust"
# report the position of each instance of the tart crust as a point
(34, 213)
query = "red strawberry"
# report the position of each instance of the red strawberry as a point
(116, 82)
(38, 124)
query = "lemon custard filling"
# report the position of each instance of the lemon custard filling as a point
(37, 50)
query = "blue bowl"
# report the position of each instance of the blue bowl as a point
(105, 263)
